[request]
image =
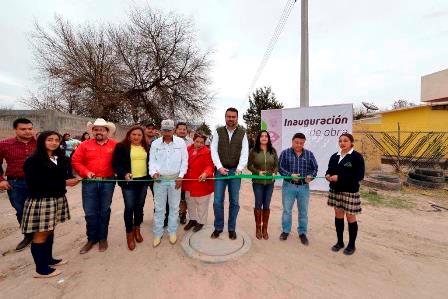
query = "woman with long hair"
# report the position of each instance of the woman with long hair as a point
(130, 162)
(47, 173)
(345, 172)
(85, 136)
(197, 192)
(263, 160)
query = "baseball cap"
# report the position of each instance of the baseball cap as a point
(167, 125)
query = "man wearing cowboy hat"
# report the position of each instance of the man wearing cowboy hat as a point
(93, 160)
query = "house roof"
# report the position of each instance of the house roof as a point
(410, 108)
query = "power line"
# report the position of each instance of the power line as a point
(271, 45)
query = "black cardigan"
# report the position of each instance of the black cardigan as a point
(46, 179)
(350, 172)
(121, 162)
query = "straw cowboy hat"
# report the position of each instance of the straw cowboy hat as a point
(100, 122)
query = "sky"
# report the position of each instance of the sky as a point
(360, 50)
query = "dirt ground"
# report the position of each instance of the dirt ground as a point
(401, 253)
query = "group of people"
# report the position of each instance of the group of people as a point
(181, 173)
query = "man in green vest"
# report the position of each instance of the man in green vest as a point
(230, 151)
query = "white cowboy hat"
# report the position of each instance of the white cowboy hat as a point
(100, 122)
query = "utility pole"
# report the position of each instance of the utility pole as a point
(304, 57)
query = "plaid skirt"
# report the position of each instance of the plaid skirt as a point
(349, 202)
(42, 214)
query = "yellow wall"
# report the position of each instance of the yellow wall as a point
(416, 119)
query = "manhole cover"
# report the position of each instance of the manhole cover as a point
(200, 246)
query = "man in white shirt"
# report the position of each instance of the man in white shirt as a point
(230, 151)
(182, 132)
(168, 162)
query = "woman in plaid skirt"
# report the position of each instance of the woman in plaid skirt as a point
(345, 171)
(47, 173)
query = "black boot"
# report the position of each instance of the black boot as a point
(339, 224)
(40, 256)
(27, 238)
(352, 232)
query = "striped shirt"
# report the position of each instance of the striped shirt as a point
(304, 165)
(15, 152)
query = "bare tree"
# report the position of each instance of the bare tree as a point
(402, 104)
(166, 74)
(148, 69)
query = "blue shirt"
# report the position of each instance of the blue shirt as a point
(290, 162)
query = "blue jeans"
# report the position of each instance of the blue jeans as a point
(263, 195)
(134, 195)
(17, 196)
(96, 201)
(165, 191)
(290, 193)
(218, 204)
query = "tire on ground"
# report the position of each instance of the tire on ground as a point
(425, 185)
(379, 184)
(429, 172)
(426, 178)
(386, 177)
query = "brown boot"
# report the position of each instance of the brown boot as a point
(86, 248)
(257, 213)
(130, 240)
(265, 224)
(137, 235)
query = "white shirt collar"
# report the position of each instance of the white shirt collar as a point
(349, 152)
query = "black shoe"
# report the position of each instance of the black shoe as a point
(232, 235)
(338, 246)
(216, 234)
(198, 227)
(349, 250)
(304, 239)
(165, 222)
(183, 218)
(190, 224)
(284, 236)
(24, 243)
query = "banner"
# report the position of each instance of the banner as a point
(322, 125)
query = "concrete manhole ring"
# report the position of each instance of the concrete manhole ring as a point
(200, 246)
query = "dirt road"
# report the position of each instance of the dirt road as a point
(402, 253)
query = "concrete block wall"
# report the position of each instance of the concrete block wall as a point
(50, 120)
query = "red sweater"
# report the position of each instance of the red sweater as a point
(93, 157)
(15, 153)
(198, 164)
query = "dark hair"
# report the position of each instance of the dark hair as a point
(150, 125)
(41, 149)
(200, 135)
(231, 109)
(181, 124)
(349, 136)
(18, 121)
(257, 146)
(83, 138)
(299, 136)
(127, 143)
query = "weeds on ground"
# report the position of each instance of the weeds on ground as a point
(388, 201)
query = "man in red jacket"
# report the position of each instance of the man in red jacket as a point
(15, 151)
(93, 160)
(200, 167)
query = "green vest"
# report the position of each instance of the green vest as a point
(229, 151)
